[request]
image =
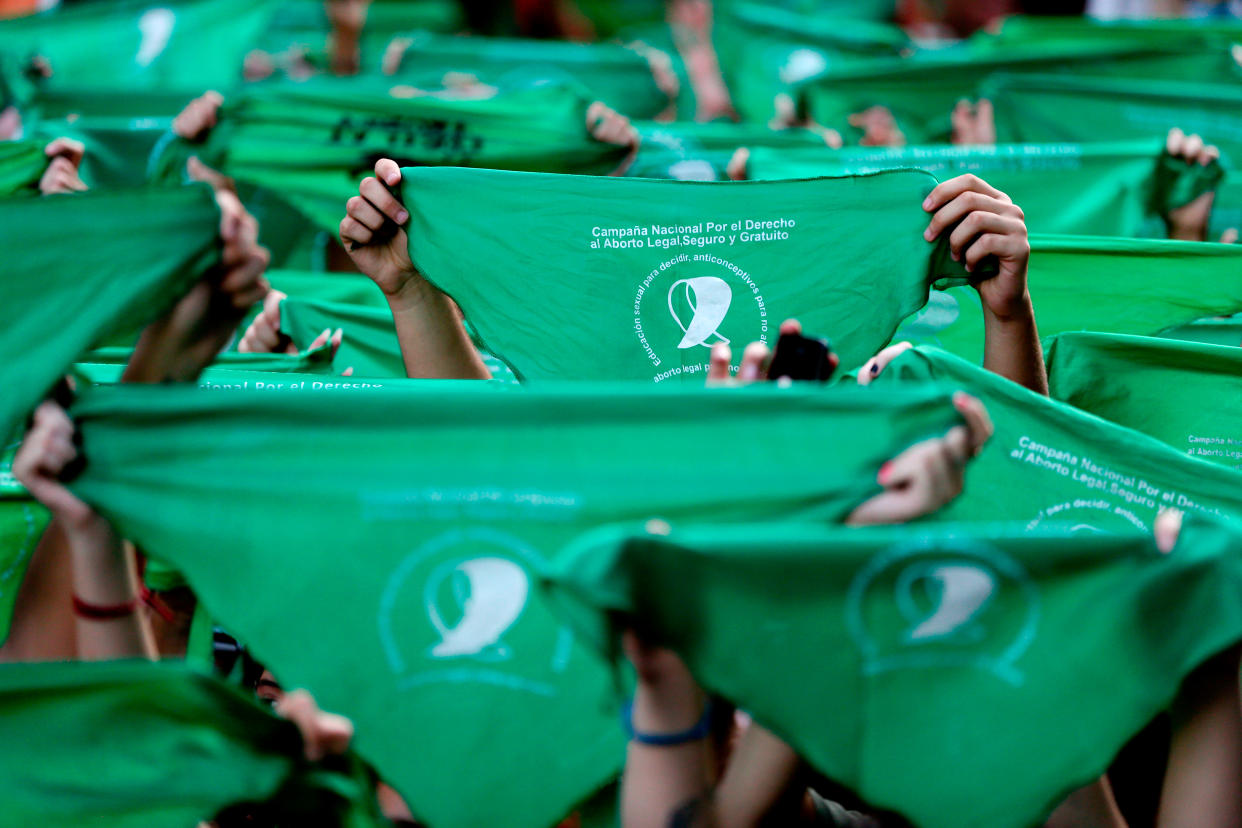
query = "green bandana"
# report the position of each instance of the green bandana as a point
(701, 152)
(133, 254)
(311, 143)
(1055, 108)
(920, 91)
(369, 341)
(569, 277)
(1108, 189)
(193, 44)
(964, 675)
(1174, 391)
(104, 366)
(1048, 461)
(348, 288)
(620, 77)
(131, 744)
(454, 497)
(1097, 284)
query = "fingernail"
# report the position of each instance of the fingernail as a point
(927, 202)
(955, 255)
(885, 471)
(402, 217)
(969, 268)
(875, 368)
(927, 234)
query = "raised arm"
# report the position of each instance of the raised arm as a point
(434, 343)
(983, 221)
(105, 578)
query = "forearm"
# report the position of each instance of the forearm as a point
(762, 778)
(433, 339)
(105, 575)
(1011, 347)
(665, 786)
(174, 349)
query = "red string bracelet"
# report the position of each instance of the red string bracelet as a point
(102, 612)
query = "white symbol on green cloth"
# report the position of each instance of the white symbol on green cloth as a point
(708, 298)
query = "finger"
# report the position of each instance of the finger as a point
(979, 223)
(968, 202)
(348, 372)
(1167, 529)
(753, 368)
(67, 148)
(1010, 247)
(977, 420)
(1192, 147)
(791, 326)
(957, 444)
(364, 213)
(336, 340)
(946, 191)
(736, 168)
(595, 114)
(873, 367)
(1230, 236)
(1174, 141)
(388, 171)
(352, 231)
(1210, 153)
(321, 340)
(376, 193)
(718, 366)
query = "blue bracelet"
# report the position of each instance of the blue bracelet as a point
(701, 729)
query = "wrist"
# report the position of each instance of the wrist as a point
(407, 289)
(1017, 310)
(664, 710)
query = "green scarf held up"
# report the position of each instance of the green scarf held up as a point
(572, 277)
(131, 44)
(701, 152)
(921, 90)
(1037, 108)
(1050, 462)
(133, 254)
(1213, 330)
(311, 143)
(1104, 189)
(1181, 393)
(421, 504)
(104, 366)
(132, 744)
(369, 341)
(965, 675)
(1110, 285)
(615, 74)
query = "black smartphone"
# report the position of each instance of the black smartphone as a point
(801, 358)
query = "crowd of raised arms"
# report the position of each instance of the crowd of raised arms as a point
(597, 413)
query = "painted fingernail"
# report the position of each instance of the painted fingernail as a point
(875, 368)
(402, 217)
(885, 471)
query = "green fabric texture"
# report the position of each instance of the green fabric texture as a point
(348, 288)
(1038, 108)
(766, 50)
(130, 44)
(921, 90)
(135, 253)
(311, 143)
(22, 521)
(116, 744)
(1222, 330)
(303, 26)
(22, 164)
(1103, 189)
(967, 676)
(569, 277)
(1171, 34)
(369, 341)
(104, 366)
(1050, 462)
(701, 152)
(619, 76)
(1126, 286)
(1177, 392)
(451, 497)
